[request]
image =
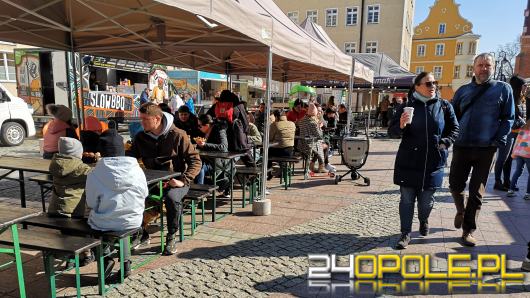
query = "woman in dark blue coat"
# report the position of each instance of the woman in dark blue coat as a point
(422, 154)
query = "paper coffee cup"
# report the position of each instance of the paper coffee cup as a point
(409, 111)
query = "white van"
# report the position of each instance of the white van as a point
(16, 121)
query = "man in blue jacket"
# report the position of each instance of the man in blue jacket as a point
(485, 111)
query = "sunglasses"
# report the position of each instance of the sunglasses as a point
(430, 84)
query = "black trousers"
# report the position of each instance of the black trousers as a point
(476, 160)
(173, 200)
(280, 152)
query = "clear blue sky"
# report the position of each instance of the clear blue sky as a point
(497, 21)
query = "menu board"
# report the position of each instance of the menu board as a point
(121, 64)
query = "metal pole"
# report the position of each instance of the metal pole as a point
(79, 103)
(266, 128)
(350, 95)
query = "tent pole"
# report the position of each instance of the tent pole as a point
(266, 127)
(350, 95)
(78, 100)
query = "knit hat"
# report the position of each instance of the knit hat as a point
(70, 147)
(312, 110)
(111, 144)
(60, 112)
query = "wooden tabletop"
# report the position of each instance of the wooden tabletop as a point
(154, 176)
(30, 164)
(222, 155)
(11, 215)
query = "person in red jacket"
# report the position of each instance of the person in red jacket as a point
(297, 113)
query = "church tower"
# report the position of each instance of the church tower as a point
(522, 61)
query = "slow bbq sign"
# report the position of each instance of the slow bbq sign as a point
(110, 101)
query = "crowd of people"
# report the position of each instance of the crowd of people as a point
(111, 194)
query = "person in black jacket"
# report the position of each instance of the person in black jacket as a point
(187, 121)
(214, 139)
(422, 154)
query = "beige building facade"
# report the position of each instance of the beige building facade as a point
(360, 26)
(7, 66)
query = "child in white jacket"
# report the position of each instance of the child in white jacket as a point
(115, 191)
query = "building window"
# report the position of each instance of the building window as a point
(331, 17)
(373, 14)
(469, 71)
(421, 50)
(312, 15)
(440, 49)
(437, 72)
(351, 16)
(456, 73)
(350, 47)
(293, 15)
(459, 46)
(419, 69)
(371, 47)
(472, 48)
(7, 67)
(441, 28)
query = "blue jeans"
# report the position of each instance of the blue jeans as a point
(406, 206)
(205, 169)
(519, 164)
(502, 155)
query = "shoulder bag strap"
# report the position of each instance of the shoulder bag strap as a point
(474, 98)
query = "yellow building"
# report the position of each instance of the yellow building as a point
(360, 26)
(445, 45)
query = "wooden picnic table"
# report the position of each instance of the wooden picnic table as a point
(23, 164)
(231, 156)
(9, 218)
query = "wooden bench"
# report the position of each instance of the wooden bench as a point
(55, 244)
(80, 226)
(45, 182)
(253, 176)
(287, 168)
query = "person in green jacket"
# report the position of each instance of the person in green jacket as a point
(69, 177)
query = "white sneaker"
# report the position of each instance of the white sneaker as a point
(267, 192)
(511, 193)
(330, 168)
(527, 197)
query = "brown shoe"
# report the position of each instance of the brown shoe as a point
(459, 219)
(468, 239)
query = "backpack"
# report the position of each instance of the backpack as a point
(225, 110)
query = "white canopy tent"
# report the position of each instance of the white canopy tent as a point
(251, 37)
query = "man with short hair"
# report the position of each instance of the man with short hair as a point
(485, 111)
(162, 146)
(187, 121)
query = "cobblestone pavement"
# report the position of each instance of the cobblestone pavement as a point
(278, 264)
(254, 265)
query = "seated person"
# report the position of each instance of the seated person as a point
(187, 121)
(297, 113)
(214, 139)
(343, 114)
(281, 137)
(69, 177)
(115, 191)
(310, 127)
(60, 126)
(162, 146)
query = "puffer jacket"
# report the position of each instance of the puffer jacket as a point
(419, 161)
(69, 177)
(488, 121)
(282, 132)
(115, 191)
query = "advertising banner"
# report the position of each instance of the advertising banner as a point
(28, 79)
